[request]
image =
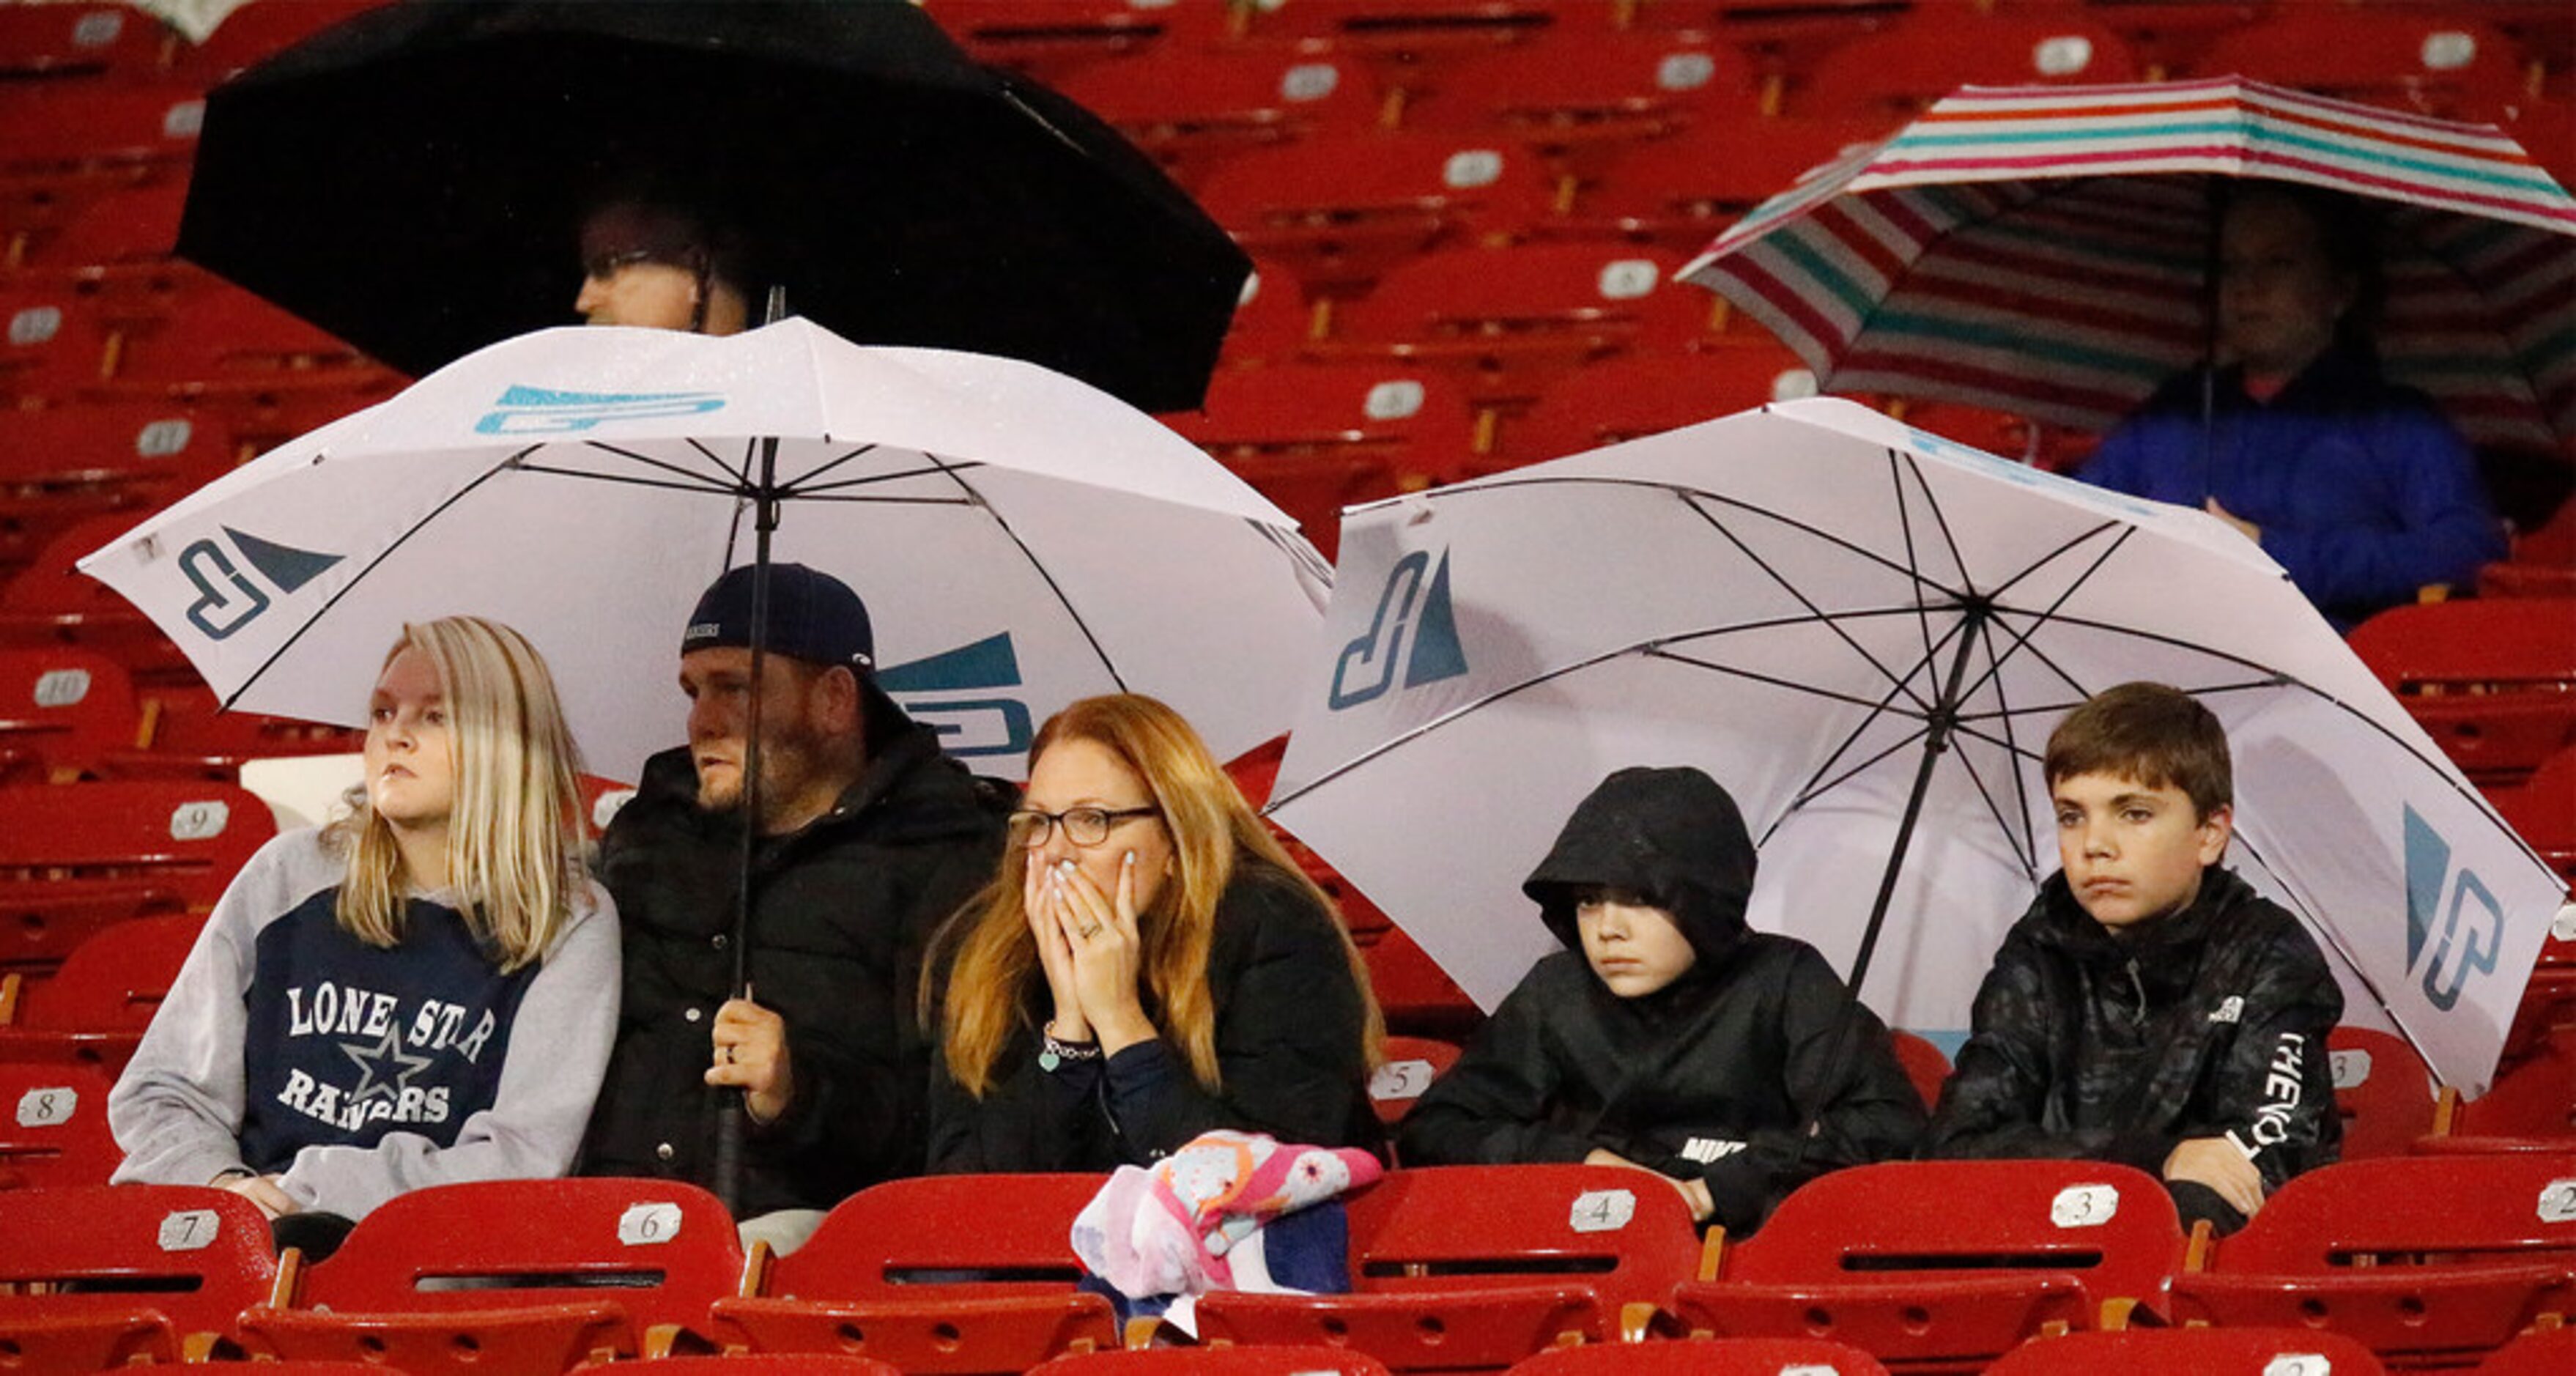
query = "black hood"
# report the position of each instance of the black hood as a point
(1671, 836)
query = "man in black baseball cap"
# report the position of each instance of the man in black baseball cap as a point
(867, 837)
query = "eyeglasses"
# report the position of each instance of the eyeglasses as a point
(1083, 826)
(609, 264)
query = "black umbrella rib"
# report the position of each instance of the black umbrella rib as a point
(1941, 523)
(2039, 619)
(1514, 483)
(1817, 783)
(1879, 705)
(1820, 786)
(955, 473)
(351, 586)
(698, 481)
(2007, 715)
(1913, 558)
(798, 488)
(696, 485)
(926, 471)
(2012, 751)
(740, 477)
(1822, 617)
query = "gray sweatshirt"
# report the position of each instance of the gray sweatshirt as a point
(289, 1047)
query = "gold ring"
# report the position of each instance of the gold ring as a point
(728, 1053)
(1091, 931)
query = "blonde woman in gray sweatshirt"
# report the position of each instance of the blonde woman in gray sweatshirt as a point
(424, 992)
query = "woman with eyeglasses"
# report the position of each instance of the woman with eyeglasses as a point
(1149, 965)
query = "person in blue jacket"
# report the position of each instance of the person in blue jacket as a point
(2356, 486)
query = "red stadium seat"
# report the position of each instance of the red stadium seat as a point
(2540, 1352)
(1680, 193)
(1645, 394)
(189, 834)
(1509, 321)
(1579, 97)
(1411, 1064)
(1411, 419)
(1924, 1064)
(105, 1275)
(51, 345)
(93, 1011)
(136, 224)
(2531, 1107)
(733, 1364)
(181, 733)
(1414, 31)
(57, 41)
(1191, 110)
(2200, 1351)
(1216, 1361)
(2421, 1259)
(1339, 209)
(1056, 39)
(75, 122)
(1315, 438)
(50, 602)
(170, 448)
(2543, 809)
(41, 924)
(2435, 63)
(1943, 1263)
(1704, 1357)
(62, 711)
(1459, 1267)
(1274, 321)
(1923, 56)
(2492, 680)
(1412, 990)
(953, 1273)
(54, 1133)
(2382, 1090)
(512, 1275)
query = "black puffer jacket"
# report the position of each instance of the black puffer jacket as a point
(841, 913)
(2209, 1022)
(1754, 1071)
(1291, 1046)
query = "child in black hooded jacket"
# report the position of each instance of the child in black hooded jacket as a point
(1669, 1036)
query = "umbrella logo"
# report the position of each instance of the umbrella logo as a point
(2471, 928)
(227, 599)
(524, 410)
(968, 726)
(1414, 627)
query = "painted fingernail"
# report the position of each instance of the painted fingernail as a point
(1130, 860)
(1065, 866)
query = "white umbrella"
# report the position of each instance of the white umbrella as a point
(1866, 633)
(1021, 539)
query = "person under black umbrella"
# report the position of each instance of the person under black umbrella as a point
(866, 837)
(654, 264)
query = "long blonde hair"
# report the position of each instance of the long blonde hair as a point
(514, 833)
(1212, 829)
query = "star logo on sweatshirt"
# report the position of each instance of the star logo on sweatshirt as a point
(372, 1062)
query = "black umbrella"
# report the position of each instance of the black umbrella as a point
(414, 180)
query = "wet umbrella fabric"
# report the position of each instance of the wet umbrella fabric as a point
(2043, 251)
(414, 180)
(1021, 539)
(1866, 634)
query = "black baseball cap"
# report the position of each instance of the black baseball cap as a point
(812, 616)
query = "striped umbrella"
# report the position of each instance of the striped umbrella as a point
(2042, 250)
